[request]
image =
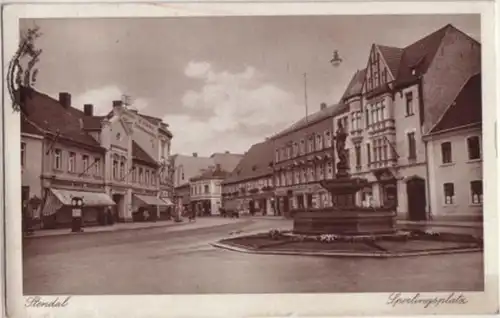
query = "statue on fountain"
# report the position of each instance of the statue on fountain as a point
(343, 216)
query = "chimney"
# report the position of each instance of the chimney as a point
(195, 154)
(322, 106)
(65, 99)
(88, 109)
(217, 167)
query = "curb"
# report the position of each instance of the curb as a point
(128, 229)
(346, 254)
(438, 224)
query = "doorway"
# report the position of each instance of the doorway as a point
(415, 188)
(119, 208)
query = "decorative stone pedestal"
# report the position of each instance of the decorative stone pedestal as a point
(344, 217)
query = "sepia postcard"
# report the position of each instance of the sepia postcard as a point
(249, 159)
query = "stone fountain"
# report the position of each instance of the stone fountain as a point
(344, 217)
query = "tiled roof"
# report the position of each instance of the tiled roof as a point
(466, 108)
(216, 173)
(92, 122)
(28, 127)
(49, 115)
(355, 86)
(139, 154)
(420, 54)
(329, 111)
(256, 163)
(392, 56)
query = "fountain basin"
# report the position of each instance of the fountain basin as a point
(345, 221)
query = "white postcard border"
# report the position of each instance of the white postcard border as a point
(247, 305)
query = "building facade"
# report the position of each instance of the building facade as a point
(303, 156)
(206, 191)
(71, 161)
(104, 159)
(455, 157)
(249, 187)
(392, 104)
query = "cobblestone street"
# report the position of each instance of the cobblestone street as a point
(181, 261)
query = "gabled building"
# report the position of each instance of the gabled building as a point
(68, 161)
(455, 164)
(136, 160)
(206, 191)
(249, 187)
(396, 100)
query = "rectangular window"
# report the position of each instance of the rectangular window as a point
(446, 155)
(57, 159)
(302, 146)
(384, 76)
(367, 117)
(319, 175)
(476, 189)
(122, 170)
(97, 167)
(357, 150)
(134, 174)
(328, 139)
(304, 175)
(319, 142)
(146, 181)
(85, 164)
(449, 193)
(473, 146)
(207, 189)
(329, 170)
(23, 154)
(295, 149)
(115, 169)
(409, 103)
(368, 153)
(277, 155)
(412, 150)
(141, 177)
(72, 162)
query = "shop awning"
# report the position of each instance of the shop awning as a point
(89, 198)
(143, 200)
(167, 201)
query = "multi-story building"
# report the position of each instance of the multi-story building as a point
(111, 161)
(136, 159)
(71, 160)
(206, 191)
(392, 104)
(454, 146)
(188, 167)
(303, 156)
(249, 187)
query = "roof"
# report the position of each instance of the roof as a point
(420, 54)
(216, 173)
(320, 115)
(92, 122)
(392, 57)
(28, 128)
(140, 155)
(256, 163)
(466, 109)
(355, 86)
(50, 116)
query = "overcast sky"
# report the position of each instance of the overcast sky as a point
(220, 83)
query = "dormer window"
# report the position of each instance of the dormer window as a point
(413, 71)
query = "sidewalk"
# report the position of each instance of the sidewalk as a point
(170, 224)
